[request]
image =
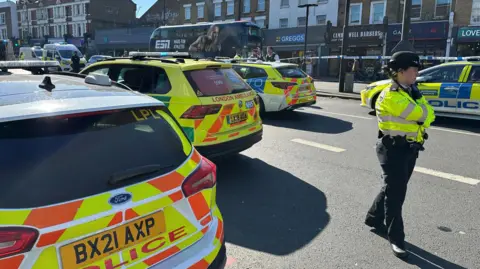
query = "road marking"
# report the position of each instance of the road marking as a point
(317, 145)
(453, 177)
(454, 131)
(346, 115)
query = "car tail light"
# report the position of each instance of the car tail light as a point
(16, 240)
(199, 112)
(204, 177)
(283, 85)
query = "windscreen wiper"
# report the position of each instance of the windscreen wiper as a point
(136, 172)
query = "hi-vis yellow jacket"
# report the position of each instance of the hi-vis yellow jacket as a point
(399, 114)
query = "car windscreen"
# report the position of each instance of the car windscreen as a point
(216, 81)
(291, 72)
(52, 160)
(38, 53)
(67, 54)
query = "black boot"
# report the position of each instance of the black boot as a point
(378, 226)
(399, 250)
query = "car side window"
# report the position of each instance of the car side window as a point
(103, 70)
(254, 72)
(449, 73)
(474, 76)
(144, 79)
(240, 70)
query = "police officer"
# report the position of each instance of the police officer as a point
(403, 116)
(271, 56)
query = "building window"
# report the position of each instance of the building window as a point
(284, 4)
(416, 9)
(42, 14)
(200, 10)
(59, 12)
(355, 14)
(377, 12)
(475, 18)
(78, 10)
(230, 7)
(261, 5)
(442, 8)
(321, 19)
(322, 1)
(218, 9)
(302, 2)
(3, 33)
(187, 12)
(283, 23)
(301, 21)
(246, 6)
(260, 22)
(2, 18)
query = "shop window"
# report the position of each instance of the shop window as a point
(355, 14)
(187, 12)
(200, 10)
(283, 23)
(284, 4)
(321, 19)
(301, 21)
(475, 19)
(442, 8)
(377, 12)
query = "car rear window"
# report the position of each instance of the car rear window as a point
(291, 72)
(214, 82)
(52, 160)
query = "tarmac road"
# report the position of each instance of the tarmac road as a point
(298, 198)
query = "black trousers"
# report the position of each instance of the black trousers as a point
(397, 159)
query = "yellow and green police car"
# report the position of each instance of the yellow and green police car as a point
(218, 111)
(281, 86)
(453, 89)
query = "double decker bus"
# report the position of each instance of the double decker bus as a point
(208, 40)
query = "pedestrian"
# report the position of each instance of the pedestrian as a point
(403, 116)
(271, 56)
(75, 62)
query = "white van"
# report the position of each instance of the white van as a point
(62, 53)
(31, 53)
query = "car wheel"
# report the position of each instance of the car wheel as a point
(262, 108)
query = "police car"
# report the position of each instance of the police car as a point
(95, 175)
(453, 89)
(218, 111)
(281, 86)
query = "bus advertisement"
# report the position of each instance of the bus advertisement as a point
(208, 40)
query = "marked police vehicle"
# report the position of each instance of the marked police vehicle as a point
(452, 88)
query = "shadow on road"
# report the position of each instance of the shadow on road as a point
(458, 124)
(307, 122)
(267, 209)
(424, 259)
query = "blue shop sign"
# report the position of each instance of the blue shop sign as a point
(297, 38)
(420, 31)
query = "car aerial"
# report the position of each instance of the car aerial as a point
(281, 86)
(453, 89)
(97, 176)
(97, 58)
(218, 111)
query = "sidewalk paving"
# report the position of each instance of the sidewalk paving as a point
(330, 89)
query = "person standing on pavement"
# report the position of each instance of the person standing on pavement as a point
(403, 116)
(271, 56)
(75, 62)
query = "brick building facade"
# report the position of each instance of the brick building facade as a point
(8, 20)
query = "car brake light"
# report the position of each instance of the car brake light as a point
(283, 85)
(204, 177)
(16, 240)
(199, 112)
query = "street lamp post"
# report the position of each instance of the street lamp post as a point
(307, 12)
(404, 44)
(343, 61)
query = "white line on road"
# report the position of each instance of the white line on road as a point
(454, 131)
(317, 145)
(346, 115)
(453, 177)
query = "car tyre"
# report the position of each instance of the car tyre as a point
(262, 108)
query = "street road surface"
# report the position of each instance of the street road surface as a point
(298, 198)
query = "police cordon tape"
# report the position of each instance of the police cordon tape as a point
(385, 58)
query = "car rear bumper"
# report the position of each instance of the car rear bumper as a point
(232, 146)
(292, 107)
(221, 259)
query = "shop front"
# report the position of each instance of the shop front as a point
(427, 38)
(468, 41)
(289, 44)
(363, 40)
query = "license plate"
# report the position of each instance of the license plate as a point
(236, 118)
(99, 246)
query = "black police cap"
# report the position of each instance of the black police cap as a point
(404, 60)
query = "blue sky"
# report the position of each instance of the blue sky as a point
(142, 5)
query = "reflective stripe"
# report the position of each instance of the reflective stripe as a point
(424, 113)
(407, 111)
(398, 133)
(394, 119)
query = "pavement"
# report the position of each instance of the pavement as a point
(330, 89)
(299, 197)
